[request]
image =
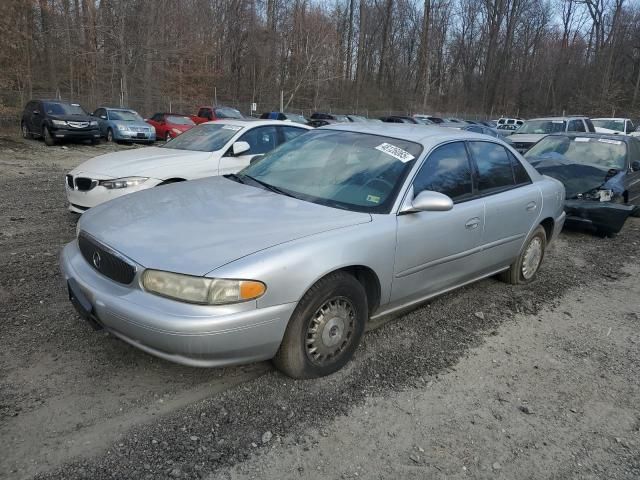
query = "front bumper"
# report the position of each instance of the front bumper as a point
(606, 216)
(74, 134)
(195, 335)
(127, 136)
(82, 200)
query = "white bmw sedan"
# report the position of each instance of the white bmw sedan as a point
(210, 149)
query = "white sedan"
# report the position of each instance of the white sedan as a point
(210, 149)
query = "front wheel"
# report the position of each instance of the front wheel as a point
(524, 269)
(48, 138)
(109, 135)
(167, 137)
(25, 131)
(325, 328)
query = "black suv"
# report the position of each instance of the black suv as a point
(56, 120)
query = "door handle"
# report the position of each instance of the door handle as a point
(531, 206)
(472, 223)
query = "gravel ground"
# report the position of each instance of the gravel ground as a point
(80, 404)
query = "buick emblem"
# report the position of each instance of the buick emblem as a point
(96, 259)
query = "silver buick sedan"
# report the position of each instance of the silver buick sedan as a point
(291, 257)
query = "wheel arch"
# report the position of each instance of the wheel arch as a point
(548, 224)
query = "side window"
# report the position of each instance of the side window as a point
(101, 112)
(157, 117)
(590, 127)
(519, 172)
(630, 126)
(576, 126)
(494, 166)
(202, 113)
(260, 139)
(289, 133)
(446, 171)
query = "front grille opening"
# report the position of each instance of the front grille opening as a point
(84, 184)
(104, 261)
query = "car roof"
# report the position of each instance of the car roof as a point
(254, 122)
(608, 136)
(570, 117)
(611, 118)
(426, 135)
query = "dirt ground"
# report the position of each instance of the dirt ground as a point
(489, 381)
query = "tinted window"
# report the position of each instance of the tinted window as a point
(204, 113)
(576, 126)
(446, 171)
(519, 172)
(260, 139)
(53, 108)
(157, 117)
(494, 166)
(289, 133)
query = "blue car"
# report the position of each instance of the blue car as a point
(123, 125)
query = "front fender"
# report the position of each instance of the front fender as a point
(291, 268)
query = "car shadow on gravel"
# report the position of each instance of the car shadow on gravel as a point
(193, 442)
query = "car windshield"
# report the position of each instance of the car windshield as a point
(207, 137)
(124, 115)
(357, 118)
(542, 126)
(228, 112)
(436, 119)
(341, 118)
(609, 124)
(348, 170)
(423, 121)
(294, 117)
(602, 153)
(52, 108)
(176, 120)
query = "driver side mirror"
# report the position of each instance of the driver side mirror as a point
(240, 147)
(635, 166)
(428, 201)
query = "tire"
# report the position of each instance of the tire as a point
(109, 135)
(167, 137)
(325, 328)
(26, 134)
(49, 141)
(524, 269)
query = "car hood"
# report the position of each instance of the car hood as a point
(72, 118)
(195, 227)
(578, 178)
(526, 137)
(139, 161)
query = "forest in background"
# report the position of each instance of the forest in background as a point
(479, 58)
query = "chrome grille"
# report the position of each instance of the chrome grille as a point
(105, 261)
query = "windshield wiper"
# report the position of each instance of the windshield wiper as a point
(234, 177)
(269, 187)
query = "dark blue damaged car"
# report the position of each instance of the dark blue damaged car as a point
(601, 175)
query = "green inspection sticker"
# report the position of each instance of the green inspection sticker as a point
(373, 199)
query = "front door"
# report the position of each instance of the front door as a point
(437, 250)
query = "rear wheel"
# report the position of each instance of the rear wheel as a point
(48, 138)
(167, 137)
(325, 328)
(524, 269)
(25, 131)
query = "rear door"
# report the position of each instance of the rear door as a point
(436, 250)
(512, 202)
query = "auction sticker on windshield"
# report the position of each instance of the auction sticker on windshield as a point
(395, 152)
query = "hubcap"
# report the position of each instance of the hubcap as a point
(532, 257)
(330, 330)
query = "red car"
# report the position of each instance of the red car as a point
(207, 114)
(170, 125)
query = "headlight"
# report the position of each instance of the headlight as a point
(123, 182)
(93, 123)
(201, 290)
(59, 123)
(123, 128)
(176, 131)
(605, 195)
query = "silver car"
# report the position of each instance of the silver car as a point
(291, 257)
